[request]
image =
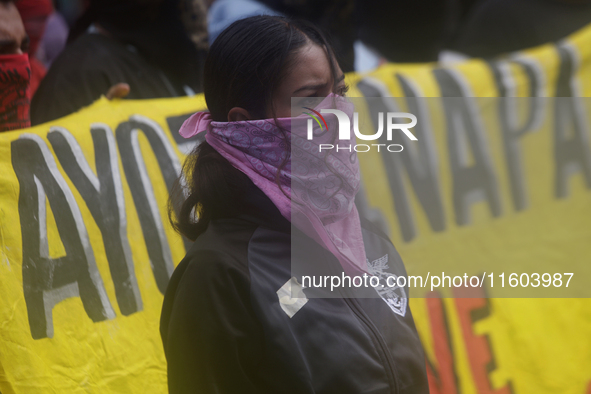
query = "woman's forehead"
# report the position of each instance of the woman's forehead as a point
(311, 68)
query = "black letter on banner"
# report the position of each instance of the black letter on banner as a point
(511, 128)
(142, 190)
(103, 195)
(471, 183)
(571, 134)
(48, 281)
(419, 158)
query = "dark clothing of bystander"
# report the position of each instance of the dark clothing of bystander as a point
(495, 27)
(157, 47)
(87, 69)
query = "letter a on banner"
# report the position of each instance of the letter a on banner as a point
(46, 280)
(466, 135)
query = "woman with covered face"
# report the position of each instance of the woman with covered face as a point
(267, 209)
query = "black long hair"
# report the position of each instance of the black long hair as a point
(245, 65)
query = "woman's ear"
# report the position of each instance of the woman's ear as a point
(238, 114)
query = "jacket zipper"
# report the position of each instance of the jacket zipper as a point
(391, 372)
(352, 303)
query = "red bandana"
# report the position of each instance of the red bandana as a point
(15, 95)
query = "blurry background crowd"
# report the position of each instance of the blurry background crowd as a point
(79, 50)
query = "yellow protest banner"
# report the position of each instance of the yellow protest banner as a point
(519, 202)
(86, 249)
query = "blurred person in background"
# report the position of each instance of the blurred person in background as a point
(34, 14)
(334, 17)
(15, 70)
(408, 31)
(223, 13)
(142, 48)
(495, 27)
(54, 39)
(70, 10)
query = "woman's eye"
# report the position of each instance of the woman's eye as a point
(25, 44)
(308, 101)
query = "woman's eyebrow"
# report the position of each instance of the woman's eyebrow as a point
(311, 87)
(319, 86)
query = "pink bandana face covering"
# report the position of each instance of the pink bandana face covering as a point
(318, 187)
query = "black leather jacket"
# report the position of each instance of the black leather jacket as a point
(230, 325)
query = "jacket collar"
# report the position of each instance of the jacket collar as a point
(258, 208)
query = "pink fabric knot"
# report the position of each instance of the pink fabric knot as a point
(195, 124)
